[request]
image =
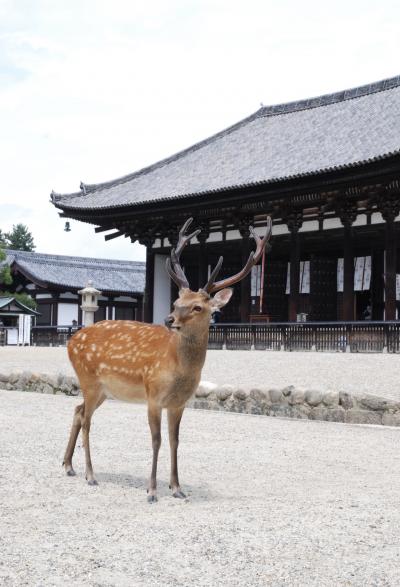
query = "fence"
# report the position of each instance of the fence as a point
(355, 337)
(52, 335)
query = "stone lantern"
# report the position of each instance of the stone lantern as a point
(90, 296)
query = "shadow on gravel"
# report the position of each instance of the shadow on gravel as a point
(195, 494)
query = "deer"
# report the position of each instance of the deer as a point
(161, 364)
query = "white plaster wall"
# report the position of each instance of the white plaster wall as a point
(67, 313)
(162, 290)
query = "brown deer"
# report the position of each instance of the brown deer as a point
(133, 361)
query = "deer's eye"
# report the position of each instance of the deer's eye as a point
(197, 308)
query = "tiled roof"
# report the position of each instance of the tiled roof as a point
(123, 277)
(11, 306)
(275, 143)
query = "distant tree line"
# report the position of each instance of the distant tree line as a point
(21, 239)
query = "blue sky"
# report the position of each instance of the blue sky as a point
(91, 90)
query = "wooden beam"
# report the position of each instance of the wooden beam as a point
(102, 228)
(109, 237)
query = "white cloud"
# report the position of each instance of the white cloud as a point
(93, 90)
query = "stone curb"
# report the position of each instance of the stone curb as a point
(289, 402)
(305, 404)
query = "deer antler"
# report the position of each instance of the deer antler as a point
(212, 286)
(175, 270)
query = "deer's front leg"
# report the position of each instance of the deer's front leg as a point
(154, 416)
(174, 420)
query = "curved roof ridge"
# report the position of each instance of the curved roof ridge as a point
(332, 98)
(258, 149)
(87, 188)
(33, 256)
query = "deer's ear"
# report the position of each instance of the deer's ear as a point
(221, 298)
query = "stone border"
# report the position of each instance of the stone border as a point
(289, 402)
(40, 382)
(292, 402)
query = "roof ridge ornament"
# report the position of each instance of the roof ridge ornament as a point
(83, 188)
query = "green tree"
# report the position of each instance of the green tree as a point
(24, 298)
(3, 239)
(20, 238)
(5, 274)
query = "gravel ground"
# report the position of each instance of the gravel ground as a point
(369, 373)
(271, 502)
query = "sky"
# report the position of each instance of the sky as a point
(91, 90)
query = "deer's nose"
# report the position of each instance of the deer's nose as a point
(169, 320)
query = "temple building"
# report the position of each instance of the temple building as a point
(54, 281)
(325, 169)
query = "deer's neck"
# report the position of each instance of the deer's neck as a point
(192, 349)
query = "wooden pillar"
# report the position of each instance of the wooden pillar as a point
(202, 260)
(390, 209)
(377, 283)
(294, 223)
(348, 272)
(245, 284)
(390, 270)
(149, 285)
(347, 212)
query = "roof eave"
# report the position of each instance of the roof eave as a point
(258, 185)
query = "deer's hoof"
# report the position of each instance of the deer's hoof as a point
(70, 473)
(179, 495)
(152, 499)
(92, 482)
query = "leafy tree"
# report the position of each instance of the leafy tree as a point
(5, 274)
(20, 238)
(3, 239)
(24, 298)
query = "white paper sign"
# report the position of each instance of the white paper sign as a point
(339, 274)
(256, 280)
(397, 287)
(362, 273)
(304, 278)
(358, 273)
(367, 273)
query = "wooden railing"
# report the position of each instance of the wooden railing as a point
(355, 337)
(52, 335)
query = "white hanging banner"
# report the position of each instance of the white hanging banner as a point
(358, 273)
(362, 273)
(27, 330)
(21, 329)
(24, 329)
(398, 287)
(256, 280)
(339, 274)
(367, 273)
(304, 278)
(288, 279)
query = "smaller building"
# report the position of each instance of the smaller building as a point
(53, 281)
(15, 321)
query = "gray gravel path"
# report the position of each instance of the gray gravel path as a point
(271, 502)
(375, 373)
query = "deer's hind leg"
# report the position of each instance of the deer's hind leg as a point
(75, 429)
(82, 419)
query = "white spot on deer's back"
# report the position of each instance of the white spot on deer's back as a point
(93, 347)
